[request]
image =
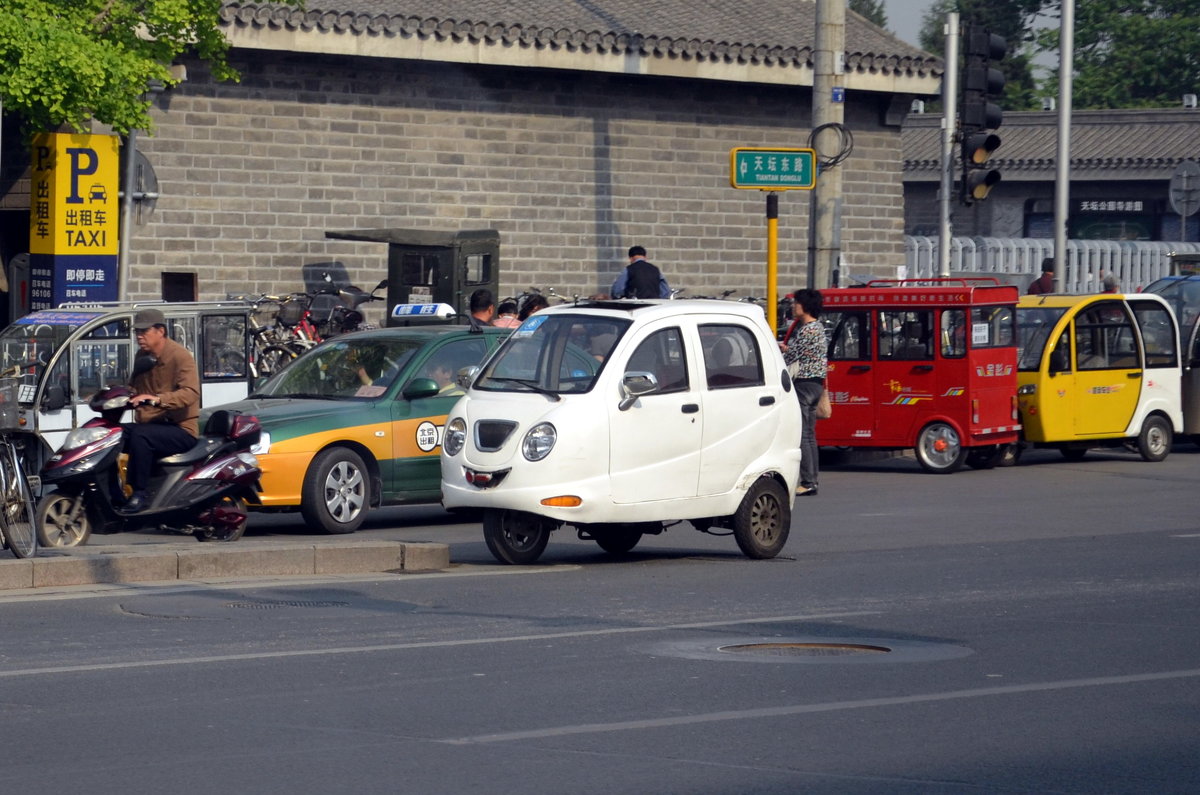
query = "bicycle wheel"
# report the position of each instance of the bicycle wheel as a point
(16, 511)
(274, 359)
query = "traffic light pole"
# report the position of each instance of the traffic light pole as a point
(1062, 181)
(949, 117)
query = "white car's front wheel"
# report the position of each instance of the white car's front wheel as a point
(516, 537)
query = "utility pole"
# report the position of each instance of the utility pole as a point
(949, 120)
(1062, 179)
(828, 108)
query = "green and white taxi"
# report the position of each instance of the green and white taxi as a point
(357, 421)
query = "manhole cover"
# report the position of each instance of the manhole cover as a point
(808, 650)
(286, 603)
(803, 649)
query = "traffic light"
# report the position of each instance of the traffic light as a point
(978, 114)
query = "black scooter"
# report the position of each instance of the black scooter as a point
(200, 492)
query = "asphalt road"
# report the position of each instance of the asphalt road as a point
(1022, 630)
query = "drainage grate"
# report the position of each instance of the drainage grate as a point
(804, 649)
(287, 603)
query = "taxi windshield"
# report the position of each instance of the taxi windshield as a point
(1034, 325)
(343, 369)
(556, 354)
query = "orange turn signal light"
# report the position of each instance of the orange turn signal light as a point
(565, 501)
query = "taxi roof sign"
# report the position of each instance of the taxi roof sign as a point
(423, 312)
(772, 169)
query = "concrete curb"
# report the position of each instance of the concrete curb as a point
(90, 567)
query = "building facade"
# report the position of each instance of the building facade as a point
(574, 132)
(1122, 162)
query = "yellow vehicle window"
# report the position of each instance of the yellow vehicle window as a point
(1105, 339)
(1158, 334)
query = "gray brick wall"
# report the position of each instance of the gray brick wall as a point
(571, 168)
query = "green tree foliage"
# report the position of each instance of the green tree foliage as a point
(1131, 54)
(68, 61)
(871, 9)
(1012, 20)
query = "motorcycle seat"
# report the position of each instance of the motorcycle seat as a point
(203, 448)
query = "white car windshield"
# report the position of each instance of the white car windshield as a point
(556, 354)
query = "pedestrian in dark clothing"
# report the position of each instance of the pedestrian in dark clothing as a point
(1044, 283)
(640, 279)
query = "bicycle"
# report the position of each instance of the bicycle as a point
(18, 528)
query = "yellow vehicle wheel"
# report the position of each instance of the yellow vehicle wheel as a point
(1154, 442)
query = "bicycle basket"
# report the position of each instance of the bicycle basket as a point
(291, 311)
(10, 409)
(266, 312)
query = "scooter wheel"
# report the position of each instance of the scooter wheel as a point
(225, 532)
(62, 521)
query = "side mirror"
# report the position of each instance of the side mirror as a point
(1058, 361)
(421, 388)
(466, 376)
(54, 398)
(635, 384)
(381, 286)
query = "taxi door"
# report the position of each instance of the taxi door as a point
(1107, 379)
(905, 381)
(654, 445)
(851, 379)
(742, 402)
(418, 424)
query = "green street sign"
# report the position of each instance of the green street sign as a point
(772, 169)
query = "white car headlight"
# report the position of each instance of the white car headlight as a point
(264, 444)
(540, 440)
(455, 436)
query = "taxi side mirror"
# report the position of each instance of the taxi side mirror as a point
(420, 388)
(635, 384)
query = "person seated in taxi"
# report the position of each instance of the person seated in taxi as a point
(444, 372)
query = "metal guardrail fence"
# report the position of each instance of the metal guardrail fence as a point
(1017, 260)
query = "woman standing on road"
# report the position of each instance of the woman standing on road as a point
(808, 350)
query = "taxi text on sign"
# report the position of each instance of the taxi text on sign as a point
(73, 219)
(772, 169)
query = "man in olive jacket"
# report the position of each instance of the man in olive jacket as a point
(166, 400)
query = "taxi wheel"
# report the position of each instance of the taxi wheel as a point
(515, 537)
(336, 491)
(763, 520)
(617, 539)
(939, 449)
(62, 521)
(1154, 442)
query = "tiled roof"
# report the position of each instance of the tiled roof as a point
(755, 31)
(1114, 144)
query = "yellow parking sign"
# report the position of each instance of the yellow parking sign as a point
(74, 218)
